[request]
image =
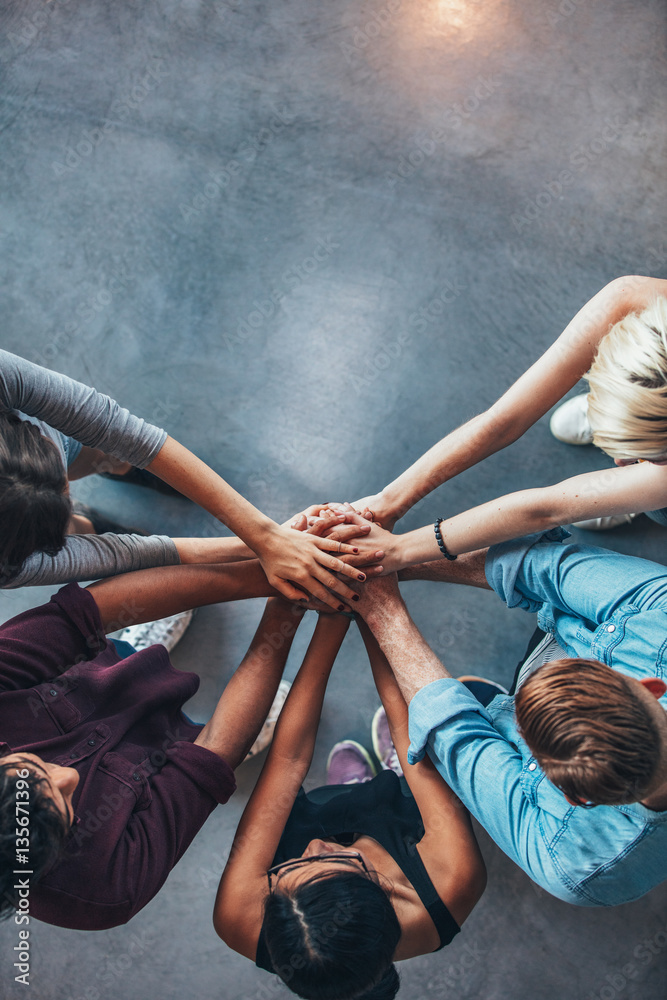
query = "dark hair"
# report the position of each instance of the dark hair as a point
(333, 938)
(47, 830)
(593, 737)
(34, 507)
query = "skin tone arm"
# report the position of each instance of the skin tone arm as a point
(535, 392)
(611, 491)
(247, 698)
(294, 562)
(412, 661)
(238, 911)
(449, 848)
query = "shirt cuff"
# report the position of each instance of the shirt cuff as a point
(204, 767)
(503, 563)
(433, 707)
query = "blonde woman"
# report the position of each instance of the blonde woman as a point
(618, 341)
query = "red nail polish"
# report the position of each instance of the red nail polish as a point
(341, 607)
(361, 577)
(355, 597)
(355, 550)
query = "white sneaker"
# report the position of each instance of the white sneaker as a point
(266, 732)
(569, 423)
(165, 631)
(604, 523)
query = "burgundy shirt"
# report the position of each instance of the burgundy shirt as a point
(145, 788)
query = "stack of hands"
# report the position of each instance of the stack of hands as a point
(364, 551)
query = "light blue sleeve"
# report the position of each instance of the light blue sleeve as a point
(481, 766)
(587, 582)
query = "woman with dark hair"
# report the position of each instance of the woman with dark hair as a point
(328, 888)
(53, 429)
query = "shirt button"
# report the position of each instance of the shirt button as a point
(73, 755)
(532, 766)
(611, 628)
(91, 743)
(136, 776)
(53, 693)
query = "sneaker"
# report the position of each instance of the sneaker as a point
(165, 631)
(267, 730)
(604, 523)
(484, 690)
(385, 751)
(569, 423)
(349, 764)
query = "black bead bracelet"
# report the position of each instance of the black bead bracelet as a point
(439, 539)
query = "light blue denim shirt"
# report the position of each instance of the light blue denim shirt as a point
(598, 604)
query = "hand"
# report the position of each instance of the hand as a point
(298, 563)
(326, 524)
(377, 508)
(372, 540)
(379, 594)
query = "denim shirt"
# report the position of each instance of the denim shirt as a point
(599, 604)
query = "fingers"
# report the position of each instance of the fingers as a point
(300, 522)
(364, 559)
(288, 590)
(345, 532)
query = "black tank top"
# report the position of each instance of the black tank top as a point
(384, 809)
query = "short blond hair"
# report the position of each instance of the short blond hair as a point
(627, 401)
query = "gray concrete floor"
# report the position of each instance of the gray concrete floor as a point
(169, 171)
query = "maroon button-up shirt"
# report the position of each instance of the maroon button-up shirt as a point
(145, 788)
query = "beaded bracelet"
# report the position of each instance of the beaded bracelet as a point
(439, 539)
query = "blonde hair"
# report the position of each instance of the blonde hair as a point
(627, 401)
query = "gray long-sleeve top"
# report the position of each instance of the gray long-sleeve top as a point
(97, 421)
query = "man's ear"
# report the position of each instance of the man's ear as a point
(654, 685)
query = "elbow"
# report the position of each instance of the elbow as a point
(543, 511)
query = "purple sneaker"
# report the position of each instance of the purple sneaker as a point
(385, 751)
(349, 764)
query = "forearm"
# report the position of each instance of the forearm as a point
(194, 479)
(248, 696)
(464, 447)
(294, 738)
(413, 662)
(211, 550)
(156, 593)
(390, 694)
(530, 397)
(468, 568)
(610, 491)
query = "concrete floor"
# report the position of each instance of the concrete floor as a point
(221, 213)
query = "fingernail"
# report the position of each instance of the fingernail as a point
(355, 597)
(361, 577)
(355, 550)
(304, 600)
(341, 607)
(293, 524)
